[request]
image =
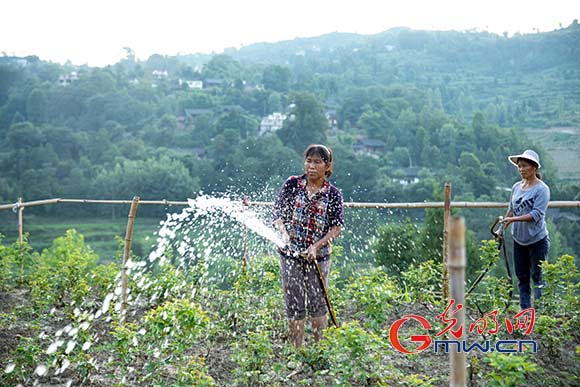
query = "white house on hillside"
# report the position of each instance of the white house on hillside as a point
(271, 123)
(191, 84)
(160, 74)
(67, 79)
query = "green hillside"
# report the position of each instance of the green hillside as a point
(437, 105)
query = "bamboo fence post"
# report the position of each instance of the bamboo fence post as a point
(446, 214)
(245, 204)
(126, 255)
(20, 221)
(457, 263)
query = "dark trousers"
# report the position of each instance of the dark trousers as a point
(302, 289)
(527, 260)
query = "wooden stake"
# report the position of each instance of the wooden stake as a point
(126, 255)
(456, 265)
(446, 214)
(245, 248)
(245, 204)
(20, 221)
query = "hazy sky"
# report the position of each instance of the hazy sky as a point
(95, 32)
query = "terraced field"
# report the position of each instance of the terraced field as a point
(563, 145)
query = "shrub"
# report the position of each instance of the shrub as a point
(508, 370)
(373, 294)
(396, 246)
(253, 356)
(183, 321)
(16, 263)
(195, 373)
(422, 282)
(62, 270)
(492, 292)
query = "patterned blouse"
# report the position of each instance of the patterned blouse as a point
(307, 220)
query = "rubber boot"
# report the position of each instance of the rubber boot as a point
(319, 324)
(296, 328)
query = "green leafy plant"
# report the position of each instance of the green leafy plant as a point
(492, 292)
(397, 246)
(253, 357)
(195, 373)
(422, 282)
(509, 370)
(183, 321)
(7, 264)
(62, 271)
(373, 293)
(16, 263)
(561, 295)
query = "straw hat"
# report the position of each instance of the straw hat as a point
(529, 155)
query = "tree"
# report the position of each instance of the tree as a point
(276, 78)
(396, 247)
(306, 123)
(24, 136)
(36, 105)
(155, 178)
(222, 66)
(237, 119)
(8, 77)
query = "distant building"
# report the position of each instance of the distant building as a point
(210, 82)
(410, 176)
(271, 123)
(332, 120)
(67, 79)
(248, 87)
(196, 84)
(160, 74)
(369, 145)
(194, 113)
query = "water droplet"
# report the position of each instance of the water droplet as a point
(54, 346)
(70, 346)
(41, 370)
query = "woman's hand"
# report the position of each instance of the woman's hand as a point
(312, 252)
(285, 237)
(507, 221)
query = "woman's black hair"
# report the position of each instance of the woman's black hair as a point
(324, 152)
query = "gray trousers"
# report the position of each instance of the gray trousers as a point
(302, 288)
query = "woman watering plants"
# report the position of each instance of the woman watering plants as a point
(527, 212)
(308, 213)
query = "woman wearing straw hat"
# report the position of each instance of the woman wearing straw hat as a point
(527, 211)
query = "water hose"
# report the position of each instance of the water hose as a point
(501, 247)
(326, 297)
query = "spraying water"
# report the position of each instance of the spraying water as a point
(239, 212)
